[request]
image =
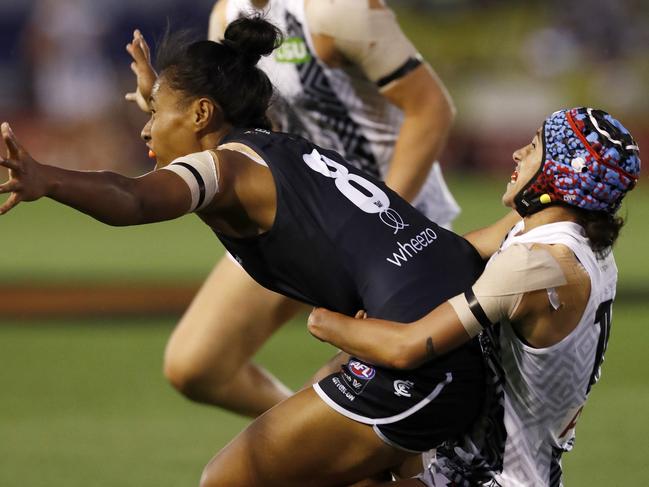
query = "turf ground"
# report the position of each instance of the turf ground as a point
(84, 402)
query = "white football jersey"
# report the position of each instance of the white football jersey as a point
(536, 394)
(336, 108)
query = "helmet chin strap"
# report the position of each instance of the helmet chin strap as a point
(527, 205)
(528, 201)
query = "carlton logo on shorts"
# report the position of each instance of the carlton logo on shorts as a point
(402, 388)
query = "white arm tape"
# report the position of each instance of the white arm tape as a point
(369, 37)
(467, 318)
(499, 290)
(198, 170)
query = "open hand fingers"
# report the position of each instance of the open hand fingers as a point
(139, 49)
(139, 38)
(10, 164)
(15, 150)
(134, 48)
(10, 186)
(12, 201)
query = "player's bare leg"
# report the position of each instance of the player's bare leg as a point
(208, 355)
(299, 442)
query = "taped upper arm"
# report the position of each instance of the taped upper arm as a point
(519, 269)
(199, 171)
(510, 274)
(369, 37)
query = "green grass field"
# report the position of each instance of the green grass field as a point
(84, 402)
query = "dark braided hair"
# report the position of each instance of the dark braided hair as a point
(226, 72)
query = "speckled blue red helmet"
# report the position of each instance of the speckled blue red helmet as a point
(590, 161)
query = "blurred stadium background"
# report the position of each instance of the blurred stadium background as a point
(86, 309)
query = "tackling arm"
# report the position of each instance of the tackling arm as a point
(497, 295)
(394, 345)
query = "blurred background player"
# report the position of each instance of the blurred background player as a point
(348, 79)
(544, 302)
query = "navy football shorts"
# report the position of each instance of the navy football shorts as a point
(413, 410)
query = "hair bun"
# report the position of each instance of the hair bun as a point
(251, 38)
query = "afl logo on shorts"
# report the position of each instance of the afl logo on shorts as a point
(361, 370)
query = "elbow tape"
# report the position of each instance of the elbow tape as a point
(198, 170)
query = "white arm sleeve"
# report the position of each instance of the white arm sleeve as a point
(198, 170)
(369, 37)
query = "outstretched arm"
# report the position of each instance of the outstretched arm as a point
(394, 345)
(106, 196)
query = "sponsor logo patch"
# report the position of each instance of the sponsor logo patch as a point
(293, 50)
(357, 375)
(343, 389)
(361, 370)
(408, 250)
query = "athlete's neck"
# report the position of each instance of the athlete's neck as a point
(212, 139)
(553, 214)
(259, 3)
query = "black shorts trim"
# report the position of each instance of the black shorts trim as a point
(412, 410)
(390, 419)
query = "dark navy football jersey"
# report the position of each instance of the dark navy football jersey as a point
(343, 240)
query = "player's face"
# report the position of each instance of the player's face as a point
(528, 161)
(169, 133)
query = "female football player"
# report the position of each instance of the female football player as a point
(543, 306)
(302, 222)
(347, 79)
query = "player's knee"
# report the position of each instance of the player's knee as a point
(194, 379)
(184, 377)
(210, 477)
(218, 474)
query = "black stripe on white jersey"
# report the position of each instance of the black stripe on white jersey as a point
(410, 65)
(199, 180)
(556, 472)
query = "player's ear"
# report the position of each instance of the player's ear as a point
(206, 113)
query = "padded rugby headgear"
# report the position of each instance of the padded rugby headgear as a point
(589, 161)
